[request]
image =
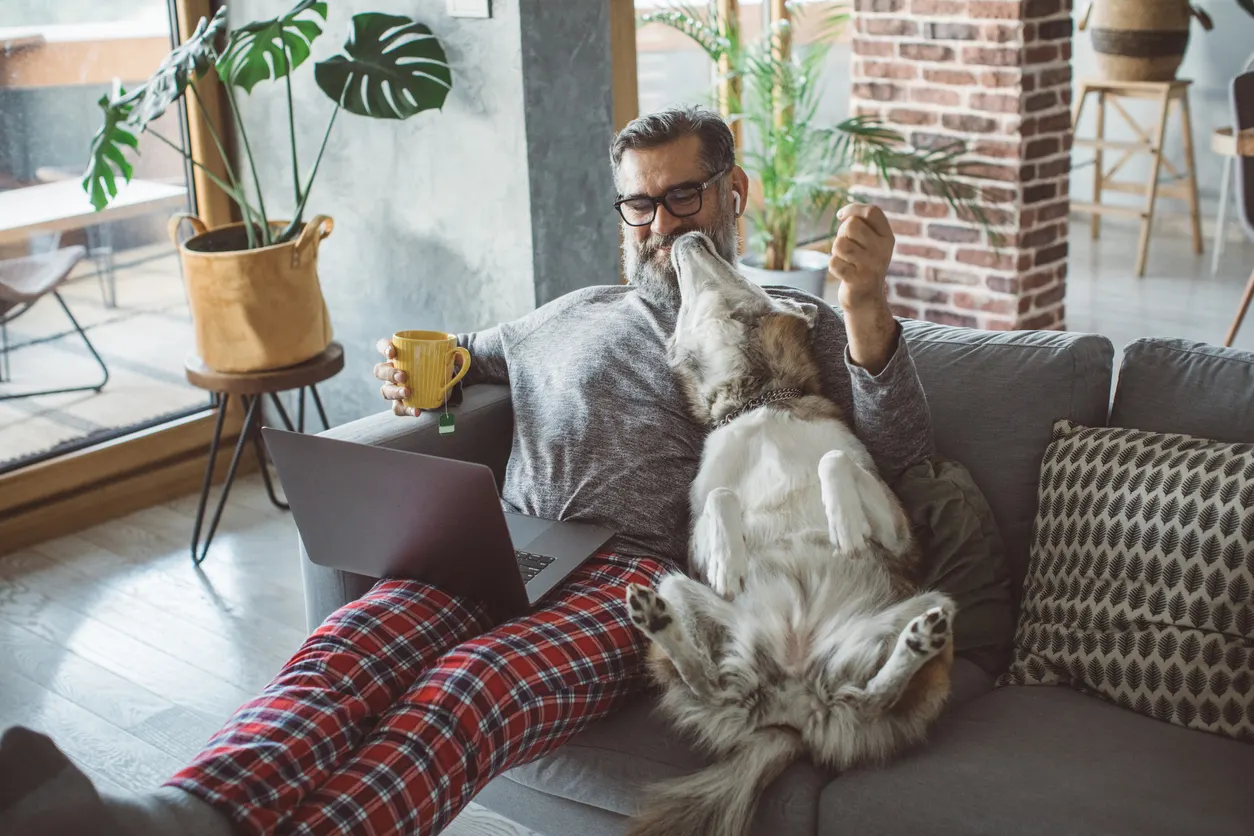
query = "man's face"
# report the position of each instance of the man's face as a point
(654, 172)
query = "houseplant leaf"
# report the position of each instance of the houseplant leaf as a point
(185, 63)
(704, 30)
(107, 154)
(270, 49)
(395, 68)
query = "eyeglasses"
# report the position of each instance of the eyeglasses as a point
(681, 201)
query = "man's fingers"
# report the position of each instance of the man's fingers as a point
(386, 348)
(840, 267)
(849, 248)
(394, 393)
(860, 232)
(388, 372)
(873, 215)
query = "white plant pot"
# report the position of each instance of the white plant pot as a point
(808, 273)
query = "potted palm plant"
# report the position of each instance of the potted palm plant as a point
(802, 164)
(253, 287)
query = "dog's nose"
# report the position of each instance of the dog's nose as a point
(693, 239)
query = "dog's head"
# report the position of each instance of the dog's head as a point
(733, 341)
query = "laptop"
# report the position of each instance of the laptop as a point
(395, 514)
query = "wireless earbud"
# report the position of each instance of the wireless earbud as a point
(736, 203)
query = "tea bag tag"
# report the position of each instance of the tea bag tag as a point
(446, 419)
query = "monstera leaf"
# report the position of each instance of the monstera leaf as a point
(185, 63)
(99, 181)
(270, 49)
(395, 68)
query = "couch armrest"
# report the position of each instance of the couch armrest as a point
(484, 434)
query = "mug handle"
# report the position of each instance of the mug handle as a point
(465, 367)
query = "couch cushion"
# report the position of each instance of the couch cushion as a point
(994, 398)
(1141, 584)
(1180, 386)
(609, 764)
(1050, 761)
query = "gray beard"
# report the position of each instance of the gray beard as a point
(656, 277)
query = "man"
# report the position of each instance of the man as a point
(402, 705)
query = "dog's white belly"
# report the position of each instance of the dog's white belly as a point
(770, 460)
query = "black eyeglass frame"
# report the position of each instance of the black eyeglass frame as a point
(658, 201)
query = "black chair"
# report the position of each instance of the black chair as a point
(23, 282)
(1243, 120)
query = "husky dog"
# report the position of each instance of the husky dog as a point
(810, 635)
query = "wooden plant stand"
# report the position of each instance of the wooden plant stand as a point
(1149, 141)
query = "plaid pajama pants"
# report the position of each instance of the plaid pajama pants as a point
(399, 708)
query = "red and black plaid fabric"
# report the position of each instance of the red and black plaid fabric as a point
(396, 711)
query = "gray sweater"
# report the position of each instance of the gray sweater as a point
(601, 433)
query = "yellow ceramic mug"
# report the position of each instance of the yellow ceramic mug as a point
(426, 357)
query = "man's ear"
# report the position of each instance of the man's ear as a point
(740, 185)
(806, 310)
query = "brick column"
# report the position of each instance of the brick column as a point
(996, 74)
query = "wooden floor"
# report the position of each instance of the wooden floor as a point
(1177, 297)
(112, 643)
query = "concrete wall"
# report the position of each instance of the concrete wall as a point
(457, 219)
(1212, 60)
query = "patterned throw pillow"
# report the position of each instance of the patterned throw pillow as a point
(1140, 587)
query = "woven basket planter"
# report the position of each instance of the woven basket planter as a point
(1140, 40)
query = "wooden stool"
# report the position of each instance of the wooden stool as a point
(1149, 141)
(251, 389)
(1223, 143)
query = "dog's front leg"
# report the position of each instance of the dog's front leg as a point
(718, 544)
(859, 506)
(688, 622)
(847, 524)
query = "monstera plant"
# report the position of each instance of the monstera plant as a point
(392, 68)
(253, 289)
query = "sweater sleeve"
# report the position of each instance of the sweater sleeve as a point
(488, 353)
(890, 411)
(487, 356)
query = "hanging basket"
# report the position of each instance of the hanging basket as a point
(257, 309)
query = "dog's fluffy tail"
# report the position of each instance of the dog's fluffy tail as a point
(719, 800)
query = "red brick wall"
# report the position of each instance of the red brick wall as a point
(996, 74)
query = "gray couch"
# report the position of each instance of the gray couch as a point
(1009, 761)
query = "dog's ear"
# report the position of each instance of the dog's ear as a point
(806, 310)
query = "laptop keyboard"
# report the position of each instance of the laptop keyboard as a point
(531, 564)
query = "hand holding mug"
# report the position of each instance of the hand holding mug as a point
(419, 370)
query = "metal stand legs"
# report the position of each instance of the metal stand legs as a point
(249, 433)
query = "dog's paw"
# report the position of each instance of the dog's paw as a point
(647, 610)
(850, 533)
(848, 526)
(727, 576)
(928, 634)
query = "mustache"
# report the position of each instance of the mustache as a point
(650, 246)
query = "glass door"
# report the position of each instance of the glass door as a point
(95, 324)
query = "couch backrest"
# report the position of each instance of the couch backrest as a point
(1181, 386)
(994, 397)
